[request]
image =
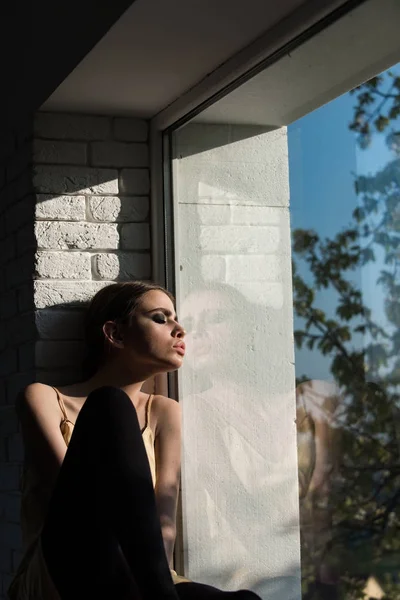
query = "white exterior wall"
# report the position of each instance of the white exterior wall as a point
(240, 498)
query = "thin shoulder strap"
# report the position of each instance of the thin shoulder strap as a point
(61, 403)
(148, 410)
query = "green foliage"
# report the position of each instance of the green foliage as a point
(378, 106)
(364, 358)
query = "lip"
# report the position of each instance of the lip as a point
(180, 348)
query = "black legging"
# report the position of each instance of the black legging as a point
(102, 536)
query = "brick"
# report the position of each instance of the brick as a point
(3, 341)
(60, 377)
(256, 215)
(15, 448)
(119, 154)
(5, 559)
(74, 180)
(134, 181)
(123, 266)
(11, 535)
(7, 145)
(57, 126)
(17, 382)
(65, 293)
(19, 161)
(23, 186)
(4, 199)
(62, 265)
(6, 582)
(226, 214)
(26, 239)
(58, 354)
(135, 236)
(7, 249)
(8, 362)
(8, 304)
(113, 209)
(264, 293)
(21, 328)
(9, 481)
(2, 176)
(3, 456)
(3, 202)
(60, 208)
(52, 235)
(19, 271)
(26, 356)
(3, 393)
(213, 267)
(19, 213)
(25, 297)
(8, 196)
(8, 421)
(236, 239)
(17, 556)
(12, 506)
(60, 324)
(59, 153)
(209, 214)
(130, 129)
(24, 130)
(253, 268)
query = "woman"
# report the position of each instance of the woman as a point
(241, 462)
(102, 463)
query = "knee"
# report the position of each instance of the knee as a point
(108, 400)
(107, 394)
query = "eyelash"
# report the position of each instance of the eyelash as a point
(160, 319)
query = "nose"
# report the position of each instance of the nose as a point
(179, 331)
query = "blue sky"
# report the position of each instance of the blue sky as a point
(324, 160)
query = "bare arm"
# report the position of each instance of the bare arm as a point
(168, 460)
(40, 418)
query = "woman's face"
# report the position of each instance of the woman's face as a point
(209, 319)
(154, 339)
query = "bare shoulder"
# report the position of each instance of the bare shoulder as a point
(36, 398)
(166, 411)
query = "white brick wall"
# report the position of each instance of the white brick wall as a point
(74, 216)
(91, 181)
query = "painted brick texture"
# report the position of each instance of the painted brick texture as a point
(17, 332)
(74, 216)
(91, 181)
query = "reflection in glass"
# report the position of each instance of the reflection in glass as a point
(239, 480)
(292, 454)
(346, 284)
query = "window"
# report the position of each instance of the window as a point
(286, 228)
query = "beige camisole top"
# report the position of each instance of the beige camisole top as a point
(32, 579)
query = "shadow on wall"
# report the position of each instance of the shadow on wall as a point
(209, 136)
(92, 185)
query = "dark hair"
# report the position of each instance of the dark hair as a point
(115, 302)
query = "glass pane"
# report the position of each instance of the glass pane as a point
(344, 170)
(240, 499)
(287, 247)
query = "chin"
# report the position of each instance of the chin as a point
(170, 366)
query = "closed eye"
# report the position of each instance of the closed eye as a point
(159, 318)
